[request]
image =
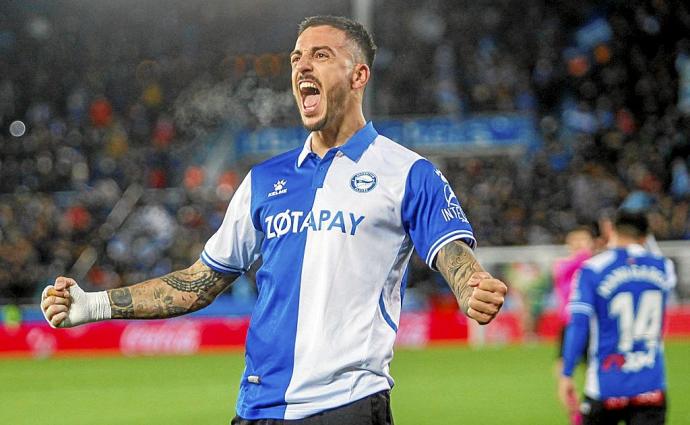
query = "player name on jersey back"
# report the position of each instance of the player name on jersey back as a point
(633, 272)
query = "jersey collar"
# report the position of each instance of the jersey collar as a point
(354, 148)
(636, 249)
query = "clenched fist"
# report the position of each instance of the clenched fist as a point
(487, 297)
(65, 304)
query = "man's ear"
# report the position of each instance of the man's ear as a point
(360, 75)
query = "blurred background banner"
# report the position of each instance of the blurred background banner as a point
(441, 135)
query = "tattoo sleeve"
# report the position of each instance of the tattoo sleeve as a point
(174, 294)
(457, 262)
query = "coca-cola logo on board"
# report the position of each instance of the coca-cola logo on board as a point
(175, 337)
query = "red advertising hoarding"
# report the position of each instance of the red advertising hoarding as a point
(194, 335)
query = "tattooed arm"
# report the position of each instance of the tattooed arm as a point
(65, 304)
(174, 294)
(479, 295)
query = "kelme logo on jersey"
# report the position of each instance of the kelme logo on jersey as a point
(364, 181)
(298, 221)
(453, 209)
(278, 188)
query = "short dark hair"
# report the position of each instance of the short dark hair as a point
(634, 224)
(353, 30)
(589, 228)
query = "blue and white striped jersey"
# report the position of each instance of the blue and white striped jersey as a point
(335, 235)
(619, 299)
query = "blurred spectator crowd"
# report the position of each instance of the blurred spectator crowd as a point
(608, 84)
(145, 96)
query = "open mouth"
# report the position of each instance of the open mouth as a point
(311, 96)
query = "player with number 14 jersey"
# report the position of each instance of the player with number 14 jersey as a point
(618, 302)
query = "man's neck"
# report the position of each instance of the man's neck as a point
(622, 241)
(324, 140)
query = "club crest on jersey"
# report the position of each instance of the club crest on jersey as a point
(364, 181)
(453, 209)
(278, 188)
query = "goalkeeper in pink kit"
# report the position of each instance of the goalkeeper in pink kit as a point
(580, 242)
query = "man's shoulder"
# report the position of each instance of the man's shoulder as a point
(391, 155)
(644, 256)
(395, 151)
(280, 159)
(600, 262)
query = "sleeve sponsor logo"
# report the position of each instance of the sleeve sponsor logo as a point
(453, 209)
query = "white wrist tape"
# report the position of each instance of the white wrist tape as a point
(86, 307)
(99, 304)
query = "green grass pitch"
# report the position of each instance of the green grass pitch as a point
(444, 385)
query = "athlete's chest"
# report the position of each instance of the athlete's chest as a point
(344, 199)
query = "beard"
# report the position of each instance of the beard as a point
(334, 106)
(317, 126)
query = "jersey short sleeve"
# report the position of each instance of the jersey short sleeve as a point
(237, 243)
(431, 213)
(582, 295)
(671, 278)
